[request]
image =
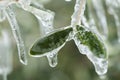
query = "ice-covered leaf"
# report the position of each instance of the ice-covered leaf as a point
(50, 42)
(90, 39)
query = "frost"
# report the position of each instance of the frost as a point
(17, 35)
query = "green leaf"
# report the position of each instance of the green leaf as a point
(91, 40)
(50, 42)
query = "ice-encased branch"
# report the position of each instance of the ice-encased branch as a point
(78, 12)
(17, 35)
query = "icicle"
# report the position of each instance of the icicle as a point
(101, 16)
(52, 58)
(100, 64)
(17, 35)
(113, 8)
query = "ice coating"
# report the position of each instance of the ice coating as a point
(98, 57)
(78, 12)
(5, 55)
(50, 45)
(52, 57)
(100, 62)
(101, 16)
(114, 8)
(17, 35)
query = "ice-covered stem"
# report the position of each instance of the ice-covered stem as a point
(17, 35)
(78, 12)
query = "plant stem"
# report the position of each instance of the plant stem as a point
(78, 12)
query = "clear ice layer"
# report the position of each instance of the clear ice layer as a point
(78, 12)
(17, 35)
(100, 64)
(52, 57)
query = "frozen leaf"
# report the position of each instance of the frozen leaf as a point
(90, 45)
(89, 39)
(50, 42)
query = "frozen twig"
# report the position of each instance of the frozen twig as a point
(17, 35)
(78, 12)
